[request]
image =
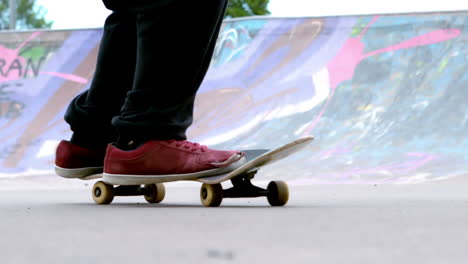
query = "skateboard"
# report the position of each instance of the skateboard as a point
(211, 191)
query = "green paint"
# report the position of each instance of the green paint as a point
(443, 64)
(34, 53)
(361, 24)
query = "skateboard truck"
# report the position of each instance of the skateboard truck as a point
(277, 192)
(104, 193)
(243, 187)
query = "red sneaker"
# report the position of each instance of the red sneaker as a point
(168, 160)
(73, 161)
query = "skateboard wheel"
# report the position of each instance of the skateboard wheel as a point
(103, 193)
(278, 193)
(156, 194)
(211, 195)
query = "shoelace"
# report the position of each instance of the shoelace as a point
(188, 145)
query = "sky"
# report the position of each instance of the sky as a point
(92, 13)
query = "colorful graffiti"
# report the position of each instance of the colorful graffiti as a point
(369, 88)
(41, 72)
(383, 95)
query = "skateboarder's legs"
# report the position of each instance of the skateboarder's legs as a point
(152, 60)
(151, 63)
(175, 46)
(90, 113)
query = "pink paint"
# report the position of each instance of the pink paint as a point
(342, 67)
(10, 58)
(332, 152)
(33, 36)
(68, 77)
(417, 161)
(423, 40)
(374, 19)
(12, 61)
(420, 159)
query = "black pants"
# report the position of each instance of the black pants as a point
(153, 57)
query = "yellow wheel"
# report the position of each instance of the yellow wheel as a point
(158, 191)
(103, 193)
(211, 195)
(278, 193)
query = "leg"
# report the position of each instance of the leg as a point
(175, 42)
(90, 113)
(174, 48)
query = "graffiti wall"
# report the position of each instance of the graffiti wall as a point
(39, 73)
(384, 96)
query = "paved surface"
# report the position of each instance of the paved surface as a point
(424, 223)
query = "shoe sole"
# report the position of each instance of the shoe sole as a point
(88, 173)
(127, 179)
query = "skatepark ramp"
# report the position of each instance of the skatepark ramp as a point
(384, 96)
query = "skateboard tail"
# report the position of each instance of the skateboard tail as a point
(264, 159)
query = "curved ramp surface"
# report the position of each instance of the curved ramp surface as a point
(384, 96)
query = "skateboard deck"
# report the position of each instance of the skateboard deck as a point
(259, 158)
(212, 192)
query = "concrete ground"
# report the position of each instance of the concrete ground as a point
(423, 223)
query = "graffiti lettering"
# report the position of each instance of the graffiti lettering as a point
(20, 67)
